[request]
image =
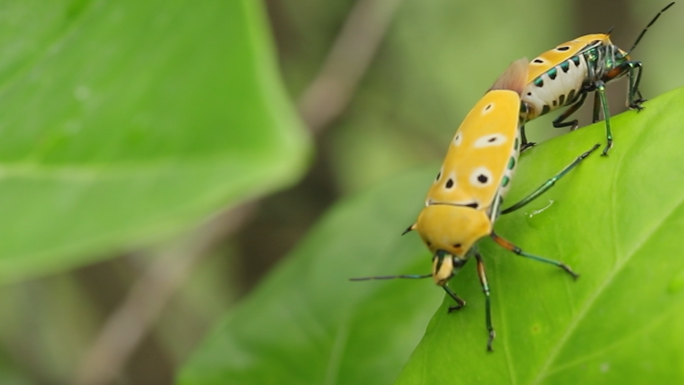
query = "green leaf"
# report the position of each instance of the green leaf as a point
(124, 121)
(614, 219)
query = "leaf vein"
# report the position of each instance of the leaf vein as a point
(620, 263)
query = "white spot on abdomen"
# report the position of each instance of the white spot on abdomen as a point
(490, 140)
(481, 177)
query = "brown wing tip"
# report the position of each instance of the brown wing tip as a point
(514, 77)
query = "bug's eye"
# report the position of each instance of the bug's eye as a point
(458, 262)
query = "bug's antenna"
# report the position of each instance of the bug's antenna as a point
(411, 276)
(649, 24)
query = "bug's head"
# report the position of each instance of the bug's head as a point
(616, 63)
(445, 265)
(450, 231)
(621, 55)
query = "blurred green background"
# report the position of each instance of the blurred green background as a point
(150, 154)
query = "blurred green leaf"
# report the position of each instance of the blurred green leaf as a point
(615, 219)
(123, 121)
(307, 324)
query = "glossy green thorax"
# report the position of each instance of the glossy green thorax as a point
(618, 60)
(606, 62)
(128, 120)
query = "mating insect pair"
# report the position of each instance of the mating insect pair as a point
(466, 198)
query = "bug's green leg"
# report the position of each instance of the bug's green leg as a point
(596, 111)
(633, 90)
(525, 145)
(601, 96)
(640, 98)
(459, 302)
(485, 288)
(549, 183)
(523, 137)
(518, 251)
(573, 124)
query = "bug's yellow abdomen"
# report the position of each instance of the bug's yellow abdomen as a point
(483, 154)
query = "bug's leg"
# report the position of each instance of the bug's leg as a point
(525, 145)
(485, 288)
(640, 98)
(601, 102)
(459, 302)
(523, 138)
(596, 111)
(515, 249)
(634, 98)
(573, 124)
(549, 183)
